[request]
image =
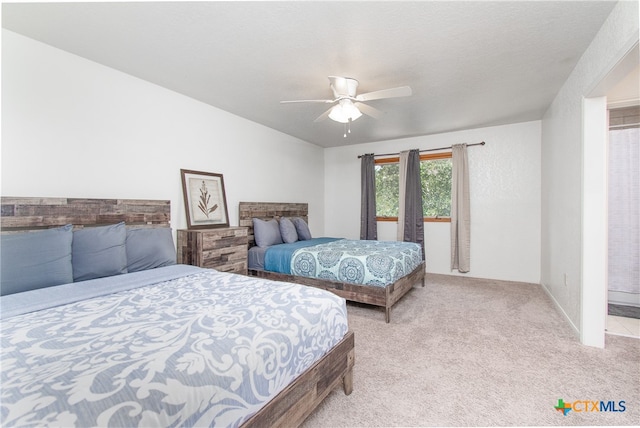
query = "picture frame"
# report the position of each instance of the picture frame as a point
(205, 200)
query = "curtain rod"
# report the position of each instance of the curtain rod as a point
(427, 150)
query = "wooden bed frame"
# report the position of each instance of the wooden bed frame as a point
(385, 297)
(289, 408)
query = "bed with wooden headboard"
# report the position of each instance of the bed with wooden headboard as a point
(384, 297)
(149, 361)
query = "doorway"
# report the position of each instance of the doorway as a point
(623, 279)
(619, 85)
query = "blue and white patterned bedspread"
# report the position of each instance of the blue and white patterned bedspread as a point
(377, 263)
(209, 348)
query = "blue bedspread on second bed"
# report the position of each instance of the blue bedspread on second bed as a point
(377, 263)
(278, 257)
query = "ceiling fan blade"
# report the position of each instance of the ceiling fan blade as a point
(402, 91)
(323, 116)
(307, 101)
(369, 111)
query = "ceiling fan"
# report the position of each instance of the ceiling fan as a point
(347, 105)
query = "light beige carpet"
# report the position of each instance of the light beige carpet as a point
(468, 352)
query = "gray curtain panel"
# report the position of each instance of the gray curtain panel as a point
(413, 216)
(460, 210)
(368, 223)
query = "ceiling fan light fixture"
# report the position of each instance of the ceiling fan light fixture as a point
(344, 112)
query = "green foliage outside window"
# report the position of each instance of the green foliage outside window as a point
(436, 188)
(387, 189)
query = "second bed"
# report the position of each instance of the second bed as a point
(378, 273)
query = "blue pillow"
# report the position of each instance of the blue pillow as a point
(35, 260)
(266, 233)
(288, 230)
(97, 252)
(149, 248)
(302, 228)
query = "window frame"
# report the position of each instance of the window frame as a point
(423, 157)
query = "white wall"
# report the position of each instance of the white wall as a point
(505, 199)
(564, 168)
(72, 127)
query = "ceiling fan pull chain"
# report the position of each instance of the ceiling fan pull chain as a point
(347, 128)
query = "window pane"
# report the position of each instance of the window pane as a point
(436, 187)
(387, 188)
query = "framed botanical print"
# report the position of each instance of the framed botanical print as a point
(205, 200)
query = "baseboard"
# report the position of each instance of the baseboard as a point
(576, 330)
(477, 278)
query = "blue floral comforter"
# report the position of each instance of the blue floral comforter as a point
(208, 348)
(377, 263)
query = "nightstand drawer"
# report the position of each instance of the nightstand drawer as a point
(223, 249)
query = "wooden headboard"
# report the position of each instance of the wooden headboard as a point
(20, 213)
(269, 210)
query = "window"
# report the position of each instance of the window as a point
(435, 172)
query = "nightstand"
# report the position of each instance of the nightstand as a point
(223, 249)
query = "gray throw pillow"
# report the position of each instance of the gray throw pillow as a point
(99, 251)
(288, 230)
(149, 248)
(266, 233)
(35, 260)
(302, 228)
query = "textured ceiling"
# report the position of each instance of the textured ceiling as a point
(470, 64)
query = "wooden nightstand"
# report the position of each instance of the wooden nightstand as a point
(223, 249)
